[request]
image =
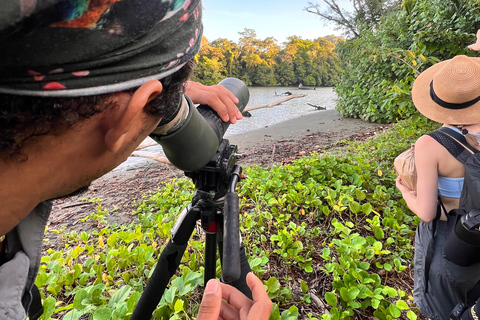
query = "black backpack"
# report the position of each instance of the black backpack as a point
(463, 237)
(462, 245)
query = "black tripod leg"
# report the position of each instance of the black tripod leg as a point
(210, 256)
(241, 283)
(167, 265)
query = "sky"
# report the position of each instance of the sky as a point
(269, 18)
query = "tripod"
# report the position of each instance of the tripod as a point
(215, 203)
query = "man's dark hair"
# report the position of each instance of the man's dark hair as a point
(24, 117)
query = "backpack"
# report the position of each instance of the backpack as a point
(462, 245)
(463, 237)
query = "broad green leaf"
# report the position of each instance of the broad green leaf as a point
(411, 315)
(178, 305)
(331, 299)
(304, 286)
(367, 208)
(102, 313)
(77, 300)
(402, 305)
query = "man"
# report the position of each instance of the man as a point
(82, 83)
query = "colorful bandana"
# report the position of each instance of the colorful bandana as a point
(67, 48)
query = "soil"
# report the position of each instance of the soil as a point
(124, 187)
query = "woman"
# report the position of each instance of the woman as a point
(449, 93)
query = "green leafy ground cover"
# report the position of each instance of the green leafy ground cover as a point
(328, 234)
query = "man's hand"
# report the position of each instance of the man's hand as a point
(217, 97)
(235, 305)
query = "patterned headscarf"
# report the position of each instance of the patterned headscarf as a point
(67, 48)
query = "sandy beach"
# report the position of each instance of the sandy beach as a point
(322, 122)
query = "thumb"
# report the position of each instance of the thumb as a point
(211, 301)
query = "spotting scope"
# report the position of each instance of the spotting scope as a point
(192, 146)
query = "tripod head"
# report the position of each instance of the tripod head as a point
(216, 183)
(216, 174)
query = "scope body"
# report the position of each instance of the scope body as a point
(194, 144)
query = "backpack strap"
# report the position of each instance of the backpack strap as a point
(429, 253)
(454, 142)
(12, 246)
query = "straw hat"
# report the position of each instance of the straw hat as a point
(449, 91)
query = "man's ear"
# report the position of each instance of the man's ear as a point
(131, 114)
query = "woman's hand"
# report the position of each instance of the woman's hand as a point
(217, 97)
(235, 305)
(403, 189)
(476, 45)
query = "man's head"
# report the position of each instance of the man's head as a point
(25, 117)
(82, 85)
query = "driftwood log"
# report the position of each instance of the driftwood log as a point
(274, 103)
(317, 107)
(157, 156)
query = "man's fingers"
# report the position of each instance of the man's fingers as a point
(231, 103)
(262, 305)
(224, 102)
(236, 299)
(229, 93)
(227, 312)
(211, 301)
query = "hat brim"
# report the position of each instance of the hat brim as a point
(430, 109)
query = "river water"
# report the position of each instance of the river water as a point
(293, 108)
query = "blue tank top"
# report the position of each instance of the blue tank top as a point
(451, 187)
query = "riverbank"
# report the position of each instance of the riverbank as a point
(281, 143)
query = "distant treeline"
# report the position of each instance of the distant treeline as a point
(267, 63)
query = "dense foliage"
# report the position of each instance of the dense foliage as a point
(328, 229)
(266, 63)
(384, 61)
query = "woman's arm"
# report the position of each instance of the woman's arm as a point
(423, 202)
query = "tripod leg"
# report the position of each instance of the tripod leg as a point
(241, 283)
(210, 256)
(167, 264)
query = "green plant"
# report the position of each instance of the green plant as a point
(335, 216)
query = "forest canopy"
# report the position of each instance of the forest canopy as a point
(267, 63)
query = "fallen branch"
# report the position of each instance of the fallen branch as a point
(317, 107)
(75, 204)
(151, 155)
(273, 153)
(148, 142)
(275, 103)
